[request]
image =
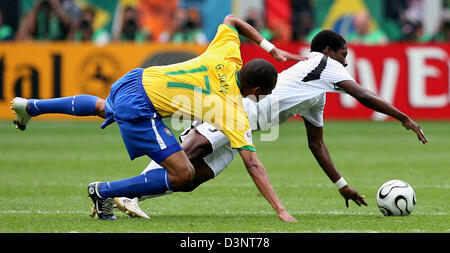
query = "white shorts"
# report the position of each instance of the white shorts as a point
(261, 115)
(270, 111)
(217, 160)
(222, 154)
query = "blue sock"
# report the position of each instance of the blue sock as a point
(79, 105)
(153, 182)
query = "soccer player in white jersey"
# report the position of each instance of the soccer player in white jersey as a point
(301, 89)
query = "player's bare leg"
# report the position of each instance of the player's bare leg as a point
(131, 207)
(180, 169)
(175, 171)
(203, 173)
(196, 146)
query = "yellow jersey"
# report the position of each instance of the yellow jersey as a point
(205, 88)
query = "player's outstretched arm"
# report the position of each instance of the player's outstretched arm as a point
(251, 33)
(261, 179)
(374, 102)
(320, 151)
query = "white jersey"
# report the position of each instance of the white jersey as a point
(301, 89)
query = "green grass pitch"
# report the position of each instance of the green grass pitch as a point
(45, 170)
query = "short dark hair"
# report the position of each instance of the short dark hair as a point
(327, 38)
(260, 73)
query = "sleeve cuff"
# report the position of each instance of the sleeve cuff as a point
(248, 147)
(233, 28)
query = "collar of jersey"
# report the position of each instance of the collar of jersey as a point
(237, 81)
(312, 54)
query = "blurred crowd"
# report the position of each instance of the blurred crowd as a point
(403, 18)
(164, 21)
(65, 20)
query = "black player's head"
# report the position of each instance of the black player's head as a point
(257, 77)
(332, 44)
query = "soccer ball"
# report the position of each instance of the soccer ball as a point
(396, 198)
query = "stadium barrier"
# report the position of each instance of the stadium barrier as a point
(47, 70)
(414, 77)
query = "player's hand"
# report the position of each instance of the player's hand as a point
(349, 193)
(286, 217)
(281, 55)
(411, 125)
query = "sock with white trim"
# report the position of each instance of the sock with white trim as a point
(79, 105)
(152, 183)
(153, 166)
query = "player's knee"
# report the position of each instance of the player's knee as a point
(184, 176)
(196, 146)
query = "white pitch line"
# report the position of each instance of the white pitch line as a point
(52, 212)
(221, 184)
(42, 212)
(445, 186)
(332, 213)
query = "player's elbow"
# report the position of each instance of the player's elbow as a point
(253, 169)
(230, 19)
(253, 166)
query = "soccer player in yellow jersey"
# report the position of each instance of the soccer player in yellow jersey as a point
(209, 87)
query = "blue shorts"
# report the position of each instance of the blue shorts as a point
(141, 126)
